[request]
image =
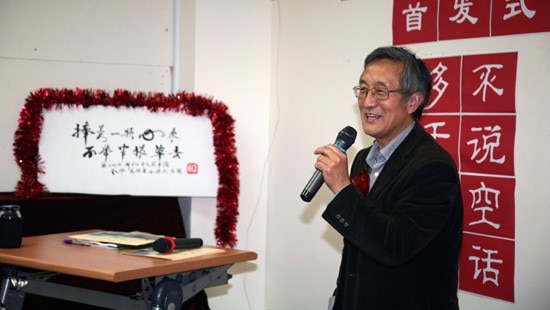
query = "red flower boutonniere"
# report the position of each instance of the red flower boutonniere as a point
(361, 182)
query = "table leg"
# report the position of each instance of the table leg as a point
(10, 297)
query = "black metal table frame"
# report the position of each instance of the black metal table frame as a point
(162, 292)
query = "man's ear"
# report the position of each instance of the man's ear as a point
(414, 102)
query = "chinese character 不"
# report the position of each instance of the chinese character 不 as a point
(89, 152)
(486, 80)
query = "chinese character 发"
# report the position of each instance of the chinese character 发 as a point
(463, 7)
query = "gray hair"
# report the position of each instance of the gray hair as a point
(416, 76)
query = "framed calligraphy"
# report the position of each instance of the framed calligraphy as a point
(32, 122)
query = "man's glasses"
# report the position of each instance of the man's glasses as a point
(376, 93)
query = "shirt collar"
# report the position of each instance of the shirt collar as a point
(388, 150)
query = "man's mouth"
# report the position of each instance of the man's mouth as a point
(370, 116)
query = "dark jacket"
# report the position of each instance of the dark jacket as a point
(402, 241)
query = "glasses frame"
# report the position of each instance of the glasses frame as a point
(376, 92)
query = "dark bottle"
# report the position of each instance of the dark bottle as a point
(11, 226)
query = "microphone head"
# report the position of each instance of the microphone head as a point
(162, 245)
(346, 137)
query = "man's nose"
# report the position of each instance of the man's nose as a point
(368, 100)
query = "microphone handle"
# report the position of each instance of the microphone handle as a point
(312, 186)
(168, 244)
(188, 243)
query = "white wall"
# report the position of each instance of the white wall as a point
(233, 62)
(69, 44)
(285, 68)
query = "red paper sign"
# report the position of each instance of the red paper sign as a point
(464, 19)
(489, 83)
(487, 266)
(414, 21)
(520, 16)
(487, 144)
(417, 21)
(489, 205)
(445, 96)
(471, 113)
(445, 129)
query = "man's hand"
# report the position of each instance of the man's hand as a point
(333, 163)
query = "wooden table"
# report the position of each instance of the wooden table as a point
(49, 253)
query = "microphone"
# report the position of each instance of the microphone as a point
(344, 140)
(169, 244)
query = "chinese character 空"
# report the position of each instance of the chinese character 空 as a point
(481, 201)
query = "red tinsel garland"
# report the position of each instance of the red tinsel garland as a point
(28, 133)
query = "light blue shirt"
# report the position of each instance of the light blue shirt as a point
(377, 157)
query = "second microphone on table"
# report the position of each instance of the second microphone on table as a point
(168, 244)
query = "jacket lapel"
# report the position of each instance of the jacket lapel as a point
(397, 161)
